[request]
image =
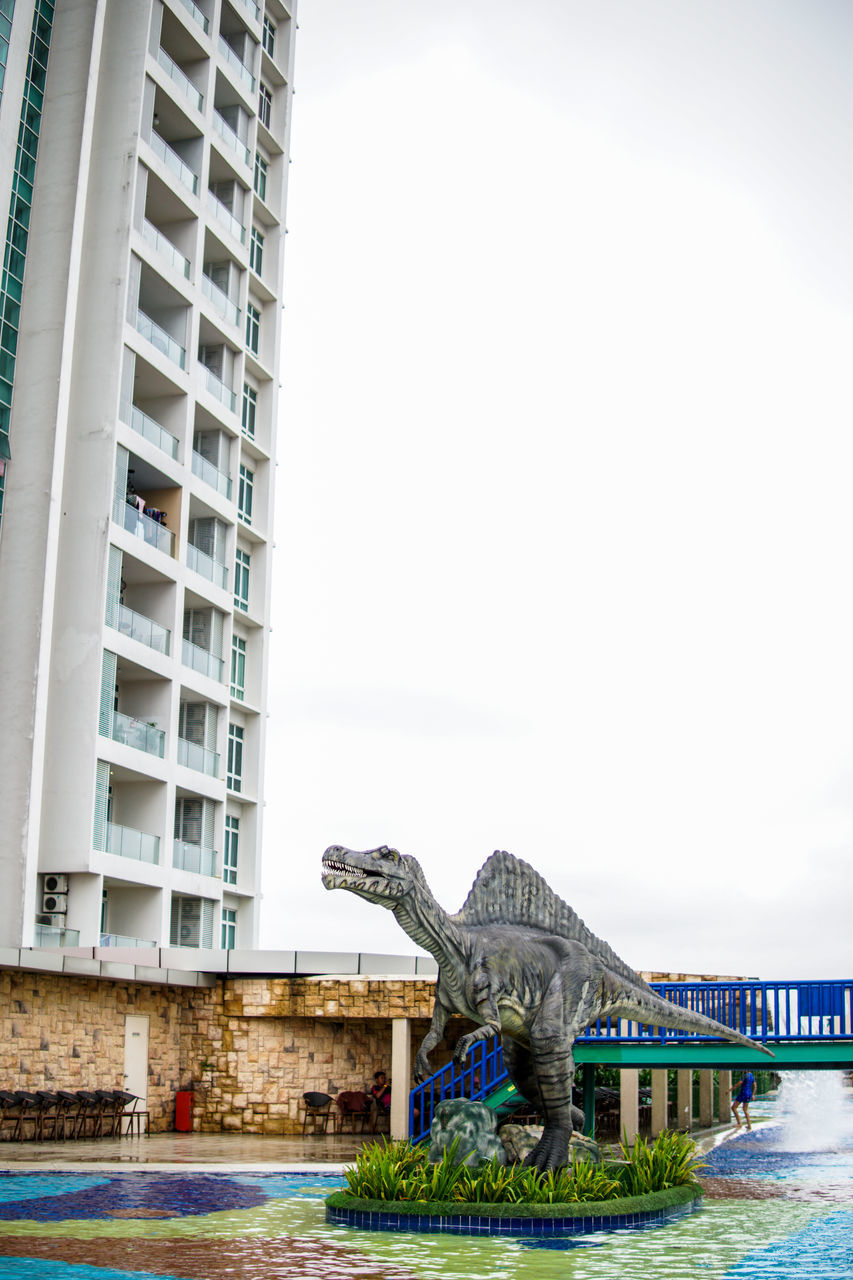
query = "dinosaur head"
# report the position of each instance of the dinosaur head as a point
(379, 875)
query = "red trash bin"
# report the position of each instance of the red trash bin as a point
(184, 1110)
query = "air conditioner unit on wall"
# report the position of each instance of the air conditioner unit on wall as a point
(54, 903)
(56, 922)
(56, 884)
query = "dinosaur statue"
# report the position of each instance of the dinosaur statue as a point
(518, 961)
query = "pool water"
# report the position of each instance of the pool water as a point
(778, 1207)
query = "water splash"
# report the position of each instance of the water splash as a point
(815, 1112)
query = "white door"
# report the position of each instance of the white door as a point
(136, 1057)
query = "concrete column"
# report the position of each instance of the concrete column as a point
(684, 1110)
(629, 1104)
(401, 1076)
(724, 1104)
(660, 1101)
(706, 1099)
(589, 1099)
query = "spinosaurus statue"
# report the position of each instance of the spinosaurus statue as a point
(517, 960)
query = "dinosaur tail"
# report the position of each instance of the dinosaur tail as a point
(649, 1008)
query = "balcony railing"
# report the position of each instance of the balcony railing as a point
(218, 389)
(47, 935)
(186, 86)
(196, 13)
(203, 661)
(137, 733)
(226, 308)
(252, 8)
(237, 64)
(194, 857)
(164, 247)
(200, 562)
(135, 521)
(123, 940)
(194, 756)
(231, 139)
(226, 217)
(211, 475)
(173, 161)
(128, 843)
(150, 429)
(159, 338)
(138, 627)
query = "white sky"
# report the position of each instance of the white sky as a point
(565, 532)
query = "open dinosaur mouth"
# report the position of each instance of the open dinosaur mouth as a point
(346, 869)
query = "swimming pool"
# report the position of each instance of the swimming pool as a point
(772, 1213)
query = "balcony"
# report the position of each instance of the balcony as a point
(218, 389)
(127, 843)
(135, 521)
(150, 429)
(230, 138)
(196, 14)
(138, 627)
(194, 756)
(47, 935)
(252, 8)
(226, 217)
(203, 661)
(211, 475)
(176, 75)
(123, 940)
(223, 304)
(158, 337)
(137, 733)
(200, 562)
(173, 161)
(164, 247)
(236, 64)
(195, 858)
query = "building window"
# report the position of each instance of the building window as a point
(253, 328)
(232, 848)
(238, 668)
(246, 493)
(229, 928)
(256, 251)
(265, 106)
(261, 168)
(241, 580)
(269, 36)
(234, 779)
(250, 405)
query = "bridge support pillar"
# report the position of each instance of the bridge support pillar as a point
(629, 1104)
(706, 1099)
(684, 1110)
(589, 1099)
(660, 1101)
(724, 1100)
(401, 1076)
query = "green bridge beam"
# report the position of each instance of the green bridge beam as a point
(802, 1055)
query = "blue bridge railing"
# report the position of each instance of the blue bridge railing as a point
(771, 1012)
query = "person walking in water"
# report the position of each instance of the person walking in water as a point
(745, 1094)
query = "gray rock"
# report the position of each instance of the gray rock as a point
(473, 1124)
(520, 1139)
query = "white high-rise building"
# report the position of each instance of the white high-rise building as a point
(143, 164)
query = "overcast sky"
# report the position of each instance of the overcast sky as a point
(565, 534)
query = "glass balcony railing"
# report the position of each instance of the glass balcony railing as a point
(135, 521)
(165, 248)
(136, 733)
(194, 756)
(200, 562)
(138, 627)
(177, 76)
(226, 308)
(252, 8)
(211, 475)
(127, 843)
(48, 936)
(173, 161)
(194, 857)
(203, 661)
(217, 388)
(197, 14)
(123, 940)
(230, 138)
(150, 429)
(226, 217)
(237, 64)
(158, 337)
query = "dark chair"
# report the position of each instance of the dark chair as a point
(50, 1114)
(10, 1112)
(353, 1108)
(114, 1102)
(68, 1116)
(91, 1113)
(30, 1113)
(317, 1110)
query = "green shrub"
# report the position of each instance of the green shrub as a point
(670, 1161)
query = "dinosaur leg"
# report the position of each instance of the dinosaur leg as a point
(519, 1064)
(552, 1034)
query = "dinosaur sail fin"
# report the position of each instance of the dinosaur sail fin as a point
(509, 891)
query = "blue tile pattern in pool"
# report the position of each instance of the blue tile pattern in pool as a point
(40, 1269)
(826, 1242)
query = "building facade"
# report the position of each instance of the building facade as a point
(143, 161)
